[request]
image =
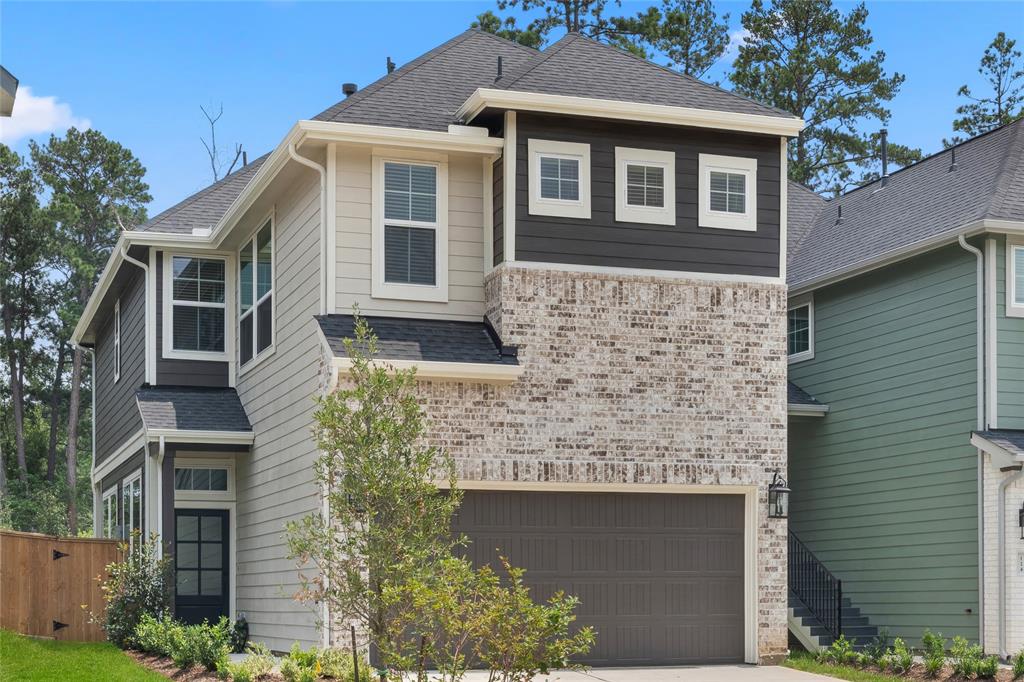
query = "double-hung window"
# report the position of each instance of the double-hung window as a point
(727, 187)
(559, 183)
(256, 294)
(645, 186)
(800, 332)
(410, 245)
(117, 340)
(1014, 278)
(197, 307)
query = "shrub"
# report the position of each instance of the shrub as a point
(965, 657)
(337, 664)
(138, 584)
(987, 668)
(257, 665)
(299, 665)
(312, 664)
(934, 653)
(900, 659)
(204, 644)
(1018, 666)
(877, 649)
(840, 652)
(157, 635)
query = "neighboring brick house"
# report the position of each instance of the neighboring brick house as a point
(582, 253)
(907, 323)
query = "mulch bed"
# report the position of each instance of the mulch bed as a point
(166, 667)
(917, 672)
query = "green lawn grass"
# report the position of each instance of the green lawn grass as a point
(26, 659)
(801, 660)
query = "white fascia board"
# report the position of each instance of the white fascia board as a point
(798, 410)
(456, 371)
(357, 133)
(1001, 458)
(100, 290)
(202, 437)
(484, 98)
(116, 458)
(889, 257)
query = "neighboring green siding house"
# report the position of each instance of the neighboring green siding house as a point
(922, 376)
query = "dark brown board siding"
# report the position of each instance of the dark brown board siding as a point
(175, 372)
(603, 241)
(499, 212)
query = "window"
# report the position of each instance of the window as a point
(645, 186)
(197, 307)
(800, 332)
(110, 517)
(727, 192)
(256, 294)
(117, 340)
(410, 247)
(559, 178)
(131, 504)
(1014, 278)
(201, 479)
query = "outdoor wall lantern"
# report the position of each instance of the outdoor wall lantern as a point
(778, 498)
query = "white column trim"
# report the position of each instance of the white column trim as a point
(488, 180)
(991, 337)
(783, 205)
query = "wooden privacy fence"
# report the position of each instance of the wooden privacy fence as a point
(45, 581)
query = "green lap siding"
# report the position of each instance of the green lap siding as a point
(884, 486)
(1009, 351)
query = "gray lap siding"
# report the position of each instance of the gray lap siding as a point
(685, 246)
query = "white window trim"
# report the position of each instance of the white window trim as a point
(561, 208)
(722, 219)
(107, 494)
(117, 340)
(624, 212)
(410, 292)
(799, 302)
(259, 357)
(190, 463)
(127, 523)
(168, 350)
(1013, 309)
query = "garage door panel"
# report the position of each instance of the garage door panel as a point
(659, 576)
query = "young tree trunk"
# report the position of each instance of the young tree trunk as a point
(3, 473)
(71, 453)
(17, 397)
(55, 390)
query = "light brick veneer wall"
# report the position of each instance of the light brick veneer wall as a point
(633, 379)
(1014, 580)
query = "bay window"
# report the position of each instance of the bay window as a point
(256, 294)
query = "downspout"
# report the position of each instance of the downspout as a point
(980, 353)
(323, 221)
(161, 451)
(1003, 653)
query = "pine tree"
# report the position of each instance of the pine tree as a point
(1001, 67)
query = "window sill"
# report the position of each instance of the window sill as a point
(410, 292)
(645, 216)
(207, 356)
(801, 357)
(727, 221)
(256, 361)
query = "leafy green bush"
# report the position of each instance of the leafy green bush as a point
(157, 635)
(964, 657)
(138, 584)
(987, 668)
(840, 652)
(934, 653)
(900, 659)
(204, 644)
(314, 663)
(257, 665)
(878, 648)
(337, 664)
(1018, 666)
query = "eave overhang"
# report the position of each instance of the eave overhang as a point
(1003, 452)
(443, 371)
(801, 410)
(492, 98)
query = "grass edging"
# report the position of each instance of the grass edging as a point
(805, 662)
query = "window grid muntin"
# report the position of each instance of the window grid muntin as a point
(643, 183)
(561, 174)
(201, 479)
(204, 281)
(727, 192)
(400, 186)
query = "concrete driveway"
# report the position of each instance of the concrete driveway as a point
(718, 673)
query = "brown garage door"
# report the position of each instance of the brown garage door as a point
(659, 576)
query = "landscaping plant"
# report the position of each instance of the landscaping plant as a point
(160, 636)
(934, 653)
(137, 585)
(964, 657)
(840, 651)
(988, 667)
(255, 666)
(878, 648)
(900, 659)
(204, 644)
(1018, 666)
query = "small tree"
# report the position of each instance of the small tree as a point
(138, 585)
(1004, 103)
(387, 523)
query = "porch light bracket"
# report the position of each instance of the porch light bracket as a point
(778, 498)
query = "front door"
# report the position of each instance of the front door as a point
(201, 564)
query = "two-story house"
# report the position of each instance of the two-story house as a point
(906, 321)
(582, 253)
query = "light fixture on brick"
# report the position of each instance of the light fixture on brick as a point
(778, 498)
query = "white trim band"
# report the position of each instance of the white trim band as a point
(460, 371)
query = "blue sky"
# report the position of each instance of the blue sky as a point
(138, 71)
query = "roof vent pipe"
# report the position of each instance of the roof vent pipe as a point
(498, 77)
(952, 160)
(885, 156)
(839, 216)
(245, 158)
(391, 65)
(349, 89)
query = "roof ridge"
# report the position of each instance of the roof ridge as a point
(541, 57)
(520, 46)
(1003, 177)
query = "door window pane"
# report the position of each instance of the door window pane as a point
(188, 528)
(212, 582)
(211, 529)
(187, 583)
(212, 554)
(187, 555)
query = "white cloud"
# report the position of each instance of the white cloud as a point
(736, 39)
(37, 115)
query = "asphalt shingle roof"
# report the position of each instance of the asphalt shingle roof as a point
(192, 409)
(421, 340)
(918, 202)
(578, 66)
(1011, 440)
(798, 396)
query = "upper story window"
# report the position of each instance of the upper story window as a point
(559, 178)
(727, 187)
(117, 340)
(110, 520)
(645, 189)
(410, 230)
(800, 333)
(1014, 278)
(197, 308)
(256, 294)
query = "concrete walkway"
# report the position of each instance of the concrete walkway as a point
(718, 673)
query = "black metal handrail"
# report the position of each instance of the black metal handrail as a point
(812, 583)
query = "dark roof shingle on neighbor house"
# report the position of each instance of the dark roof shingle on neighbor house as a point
(926, 200)
(418, 340)
(192, 409)
(798, 396)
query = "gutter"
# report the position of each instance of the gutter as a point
(801, 410)
(980, 475)
(293, 153)
(1003, 485)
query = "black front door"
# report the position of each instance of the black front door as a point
(201, 564)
